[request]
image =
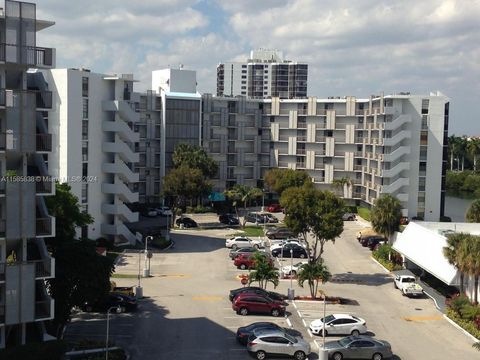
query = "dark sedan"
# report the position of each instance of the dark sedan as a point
(368, 239)
(186, 222)
(228, 219)
(358, 347)
(245, 331)
(256, 290)
(123, 302)
(298, 251)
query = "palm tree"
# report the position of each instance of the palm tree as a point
(476, 346)
(473, 148)
(453, 253)
(313, 273)
(385, 215)
(473, 212)
(339, 184)
(470, 257)
(263, 271)
(242, 194)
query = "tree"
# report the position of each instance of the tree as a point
(278, 180)
(339, 184)
(310, 210)
(386, 214)
(476, 346)
(263, 271)
(194, 157)
(182, 184)
(473, 212)
(242, 194)
(473, 149)
(313, 273)
(80, 273)
(452, 253)
(470, 259)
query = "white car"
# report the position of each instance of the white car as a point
(164, 211)
(278, 245)
(238, 242)
(341, 324)
(293, 270)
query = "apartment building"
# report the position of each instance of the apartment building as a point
(265, 74)
(392, 144)
(95, 138)
(25, 150)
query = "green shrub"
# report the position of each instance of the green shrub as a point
(48, 350)
(364, 213)
(351, 209)
(458, 302)
(467, 325)
(160, 242)
(469, 311)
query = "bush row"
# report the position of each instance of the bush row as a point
(467, 325)
(467, 182)
(388, 257)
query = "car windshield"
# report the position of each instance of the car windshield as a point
(345, 341)
(408, 279)
(328, 318)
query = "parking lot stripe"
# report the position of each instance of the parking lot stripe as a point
(289, 323)
(299, 313)
(294, 305)
(174, 276)
(423, 318)
(207, 298)
(310, 333)
(304, 323)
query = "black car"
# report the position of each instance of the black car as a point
(257, 290)
(234, 253)
(228, 219)
(256, 218)
(245, 331)
(373, 242)
(123, 302)
(279, 233)
(186, 222)
(368, 239)
(298, 251)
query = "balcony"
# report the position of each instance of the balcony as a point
(44, 226)
(28, 55)
(44, 185)
(44, 142)
(44, 268)
(43, 99)
(3, 224)
(44, 310)
(2, 272)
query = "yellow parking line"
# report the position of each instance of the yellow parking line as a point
(423, 318)
(174, 275)
(207, 298)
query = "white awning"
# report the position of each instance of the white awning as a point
(424, 247)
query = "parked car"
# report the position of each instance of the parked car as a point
(274, 244)
(238, 242)
(257, 290)
(349, 217)
(186, 222)
(274, 208)
(271, 219)
(358, 347)
(123, 302)
(164, 211)
(235, 253)
(150, 212)
(298, 251)
(228, 219)
(266, 342)
(123, 290)
(407, 284)
(246, 261)
(404, 220)
(256, 218)
(279, 233)
(247, 303)
(365, 240)
(293, 269)
(339, 324)
(244, 332)
(365, 233)
(374, 242)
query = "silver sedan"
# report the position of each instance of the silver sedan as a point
(263, 343)
(358, 347)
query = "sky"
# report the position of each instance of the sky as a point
(353, 47)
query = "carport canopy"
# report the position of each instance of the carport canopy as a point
(424, 247)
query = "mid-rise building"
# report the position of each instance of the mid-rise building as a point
(25, 151)
(266, 74)
(392, 144)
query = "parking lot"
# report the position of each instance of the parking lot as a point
(187, 315)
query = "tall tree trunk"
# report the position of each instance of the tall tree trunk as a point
(451, 162)
(463, 163)
(475, 290)
(462, 278)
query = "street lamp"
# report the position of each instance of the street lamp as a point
(291, 268)
(118, 311)
(146, 268)
(167, 235)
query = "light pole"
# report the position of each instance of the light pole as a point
(167, 235)
(138, 289)
(291, 268)
(118, 310)
(146, 268)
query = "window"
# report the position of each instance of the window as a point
(422, 169)
(84, 153)
(85, 108)
(244, 76)
(329, 133)
(244, 87)
(85, 169)
(243, 93)
(424, 122)
(244, 82)
(84, 192)
(425, 104)
(421, 184)
(84, 130)
(244, 71)
(244, 66)
(424, 138)
(85, 86)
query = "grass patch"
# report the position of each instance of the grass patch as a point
(124, 276)
(250, 231)
(364, 213)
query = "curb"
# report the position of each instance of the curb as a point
(434, 301)
(473, 338)
(383, 267)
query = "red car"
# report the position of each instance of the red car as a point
(274, 208)
(247, 303)
(245, 261)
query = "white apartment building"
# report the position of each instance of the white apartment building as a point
(94, 140)
(265, 74)
(392, 144)
(25, 150)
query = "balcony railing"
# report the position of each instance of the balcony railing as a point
(29, 55)
(44, 142)
(2, 271)
(44, 99)
(41, 270)
(44, 186)
(43, 226)
(43, 309)
(3, 225)
(2, 97)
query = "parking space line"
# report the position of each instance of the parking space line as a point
(423, 318)
(299, 313)
(207, 298)
(304, 323)
(289, 323)
(310, 333)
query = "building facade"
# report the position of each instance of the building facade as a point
(266, 74)
(25, 151)
(95, 141)
(392, 144)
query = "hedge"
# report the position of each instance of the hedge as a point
(467, 325)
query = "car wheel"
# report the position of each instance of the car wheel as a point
(355, 333)
(243, 311)
(293, 273)
(299, 355)
(261, 355)
(321, 333)
(302, 256)
(243, 266)
(337, 356)
(377, 356)
(275, 312)
(122, 309)
(256, 246)
(234, 247)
